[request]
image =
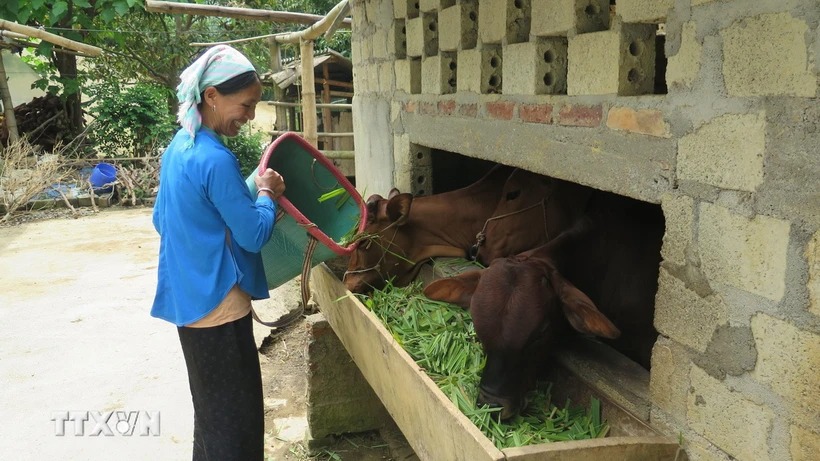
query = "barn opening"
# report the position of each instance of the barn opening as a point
(440, 171)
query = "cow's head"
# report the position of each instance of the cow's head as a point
(382, 250)
(519, 220)
(519, 305)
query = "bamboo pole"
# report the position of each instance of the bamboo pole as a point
(155, 6)
(8, 106)
(327, 120)
(55, 39)
(308, 93)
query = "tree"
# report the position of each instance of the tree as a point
(72, 19)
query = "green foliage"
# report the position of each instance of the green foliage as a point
(132, 121)
(248, 148)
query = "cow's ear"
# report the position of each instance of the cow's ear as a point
(372, 205)
(580, 311)
(457, 290)
(398, 208)
(393, 192)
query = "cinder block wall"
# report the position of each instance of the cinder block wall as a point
(730, 150)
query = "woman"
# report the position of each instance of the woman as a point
(211, 231)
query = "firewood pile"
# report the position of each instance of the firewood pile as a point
(43, 121)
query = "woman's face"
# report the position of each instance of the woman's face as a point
(229, 112)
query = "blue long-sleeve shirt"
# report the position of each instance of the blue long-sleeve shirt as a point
(202, 194)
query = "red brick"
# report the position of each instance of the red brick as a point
(427, 108)
(409, 106)
(447, 107)
(535, 113)
(501, 110)
(643, 121)
(468, 110)
(574, 115)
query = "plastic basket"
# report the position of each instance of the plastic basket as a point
(308, 175)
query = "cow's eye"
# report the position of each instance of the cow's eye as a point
(513, 195)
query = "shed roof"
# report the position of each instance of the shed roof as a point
(341, 69)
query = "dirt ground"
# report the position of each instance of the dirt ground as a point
(80, 346)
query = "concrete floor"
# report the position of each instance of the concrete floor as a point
(78, 342)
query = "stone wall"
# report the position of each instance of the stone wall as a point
(706, 107)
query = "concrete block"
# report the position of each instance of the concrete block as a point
(642, 121)
(637, 59)
(560, 17)
(421, 171)
(469, 71)
(480, 70)
(504, 21)
(749, 254)
(413, 8)
(399, 9)
(339, 398)
(805, 444)
(717, 412)
(813, 257)
(400, 38)
(415, 37)
(612, 62)
(684, 316)
(386, 76)
(726, 152)
(683, 67)
(430, 27)
(461, 26)
(381, 40)
(536, 67)
(408, 75)
(767, 55)
(438, 74)
(788, 360)
(434, 5)
(669, 380)
(647, 11)
(492, 21)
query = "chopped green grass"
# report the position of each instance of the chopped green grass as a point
(440, 337)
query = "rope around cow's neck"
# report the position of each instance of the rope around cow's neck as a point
(481, 237)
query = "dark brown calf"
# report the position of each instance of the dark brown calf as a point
(597, 278)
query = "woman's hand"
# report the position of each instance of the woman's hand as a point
(271, 180)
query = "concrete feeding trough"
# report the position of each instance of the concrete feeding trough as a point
(434, 426)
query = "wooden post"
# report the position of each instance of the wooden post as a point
(8, 106)
(281, 122)
(308, 93)
(327, 121)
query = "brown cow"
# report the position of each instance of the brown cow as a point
(532, 210)
(597, 278)
(403, 232)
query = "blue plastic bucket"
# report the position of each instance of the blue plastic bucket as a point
(102, 174)
(308, 175)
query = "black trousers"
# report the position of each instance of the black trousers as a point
(226, 386)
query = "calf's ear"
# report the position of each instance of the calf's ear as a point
(457, 290)
(393, 192)
(580, 311)
(398, 208)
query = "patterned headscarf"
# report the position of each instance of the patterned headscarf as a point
(217, 65)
